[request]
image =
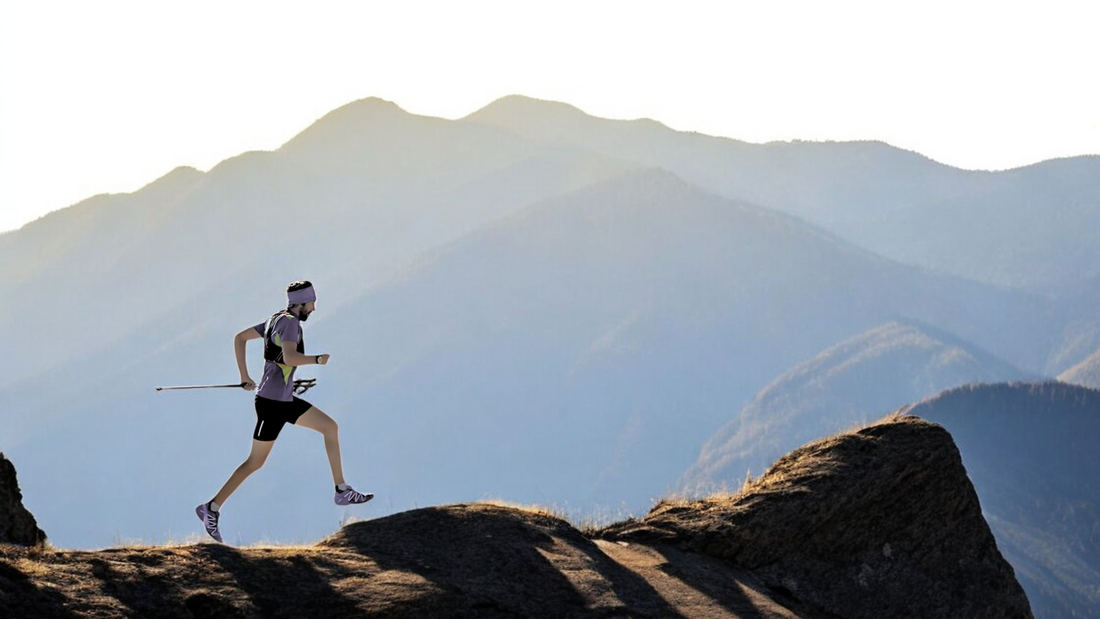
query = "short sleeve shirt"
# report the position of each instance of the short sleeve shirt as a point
(277, 382)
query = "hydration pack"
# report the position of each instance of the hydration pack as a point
(273, 351)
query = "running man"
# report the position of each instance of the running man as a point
(276, 404)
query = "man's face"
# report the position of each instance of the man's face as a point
(305, 310)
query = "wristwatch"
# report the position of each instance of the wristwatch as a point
(317, 359)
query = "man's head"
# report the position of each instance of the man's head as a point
(301, 299)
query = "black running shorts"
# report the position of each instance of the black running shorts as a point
(271, 415)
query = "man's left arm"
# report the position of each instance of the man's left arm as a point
(292, 357)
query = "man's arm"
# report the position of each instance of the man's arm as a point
(291, 356)
(239, 351)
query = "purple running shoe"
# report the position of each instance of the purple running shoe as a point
(209, 520)
(351, 497)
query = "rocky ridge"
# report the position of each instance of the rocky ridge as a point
(877, 522)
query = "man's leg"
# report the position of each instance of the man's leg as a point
(209, 513)
(256, 459)
(315, 419)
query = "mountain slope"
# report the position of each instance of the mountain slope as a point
(851, 383)
(1031, 451)
(1086, 373)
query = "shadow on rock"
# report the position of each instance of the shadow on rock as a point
(489, 561)
(19, 597)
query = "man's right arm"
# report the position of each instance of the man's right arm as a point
(239, 342)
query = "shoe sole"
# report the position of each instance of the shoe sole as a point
(346, 503)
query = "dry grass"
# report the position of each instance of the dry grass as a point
(789, 470)
(540, 510)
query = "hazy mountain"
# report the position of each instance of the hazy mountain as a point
(509, 315)
(1031, 451)
(852, 383)
(1079, 337)
(365, 189)
(576, 354)
(1028, 227)
(597, 338)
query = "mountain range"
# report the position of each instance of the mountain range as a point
(527, 303)
(1025, 228)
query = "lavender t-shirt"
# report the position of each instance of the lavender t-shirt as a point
(277, 382)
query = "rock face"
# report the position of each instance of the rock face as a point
(879, 522)
(17, 525)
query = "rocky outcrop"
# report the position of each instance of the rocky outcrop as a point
(879, 522)
(17, 525)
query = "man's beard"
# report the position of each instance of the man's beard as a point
(304, 315)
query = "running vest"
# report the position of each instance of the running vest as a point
(273, 351)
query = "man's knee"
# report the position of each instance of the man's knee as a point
(255, 462)
(330, 429)
(326, 425)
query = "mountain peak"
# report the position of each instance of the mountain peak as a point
(513, 108)
(542, 119)
(349, 122)
(372, 105)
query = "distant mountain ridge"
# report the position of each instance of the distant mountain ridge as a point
(622, 313)
(1030, 449)
(633, 303)
(1086, 373)
(1030, 220)
(850, 383)
(362, 206)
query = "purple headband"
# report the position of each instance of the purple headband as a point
(298, 297)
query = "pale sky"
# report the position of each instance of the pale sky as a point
(107, 96)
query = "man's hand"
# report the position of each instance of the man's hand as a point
(247, 383)
(322, 359)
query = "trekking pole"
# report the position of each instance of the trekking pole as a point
(301, 386)
(238, 385)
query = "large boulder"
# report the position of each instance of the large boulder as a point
(17, 525)
(878, 522)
